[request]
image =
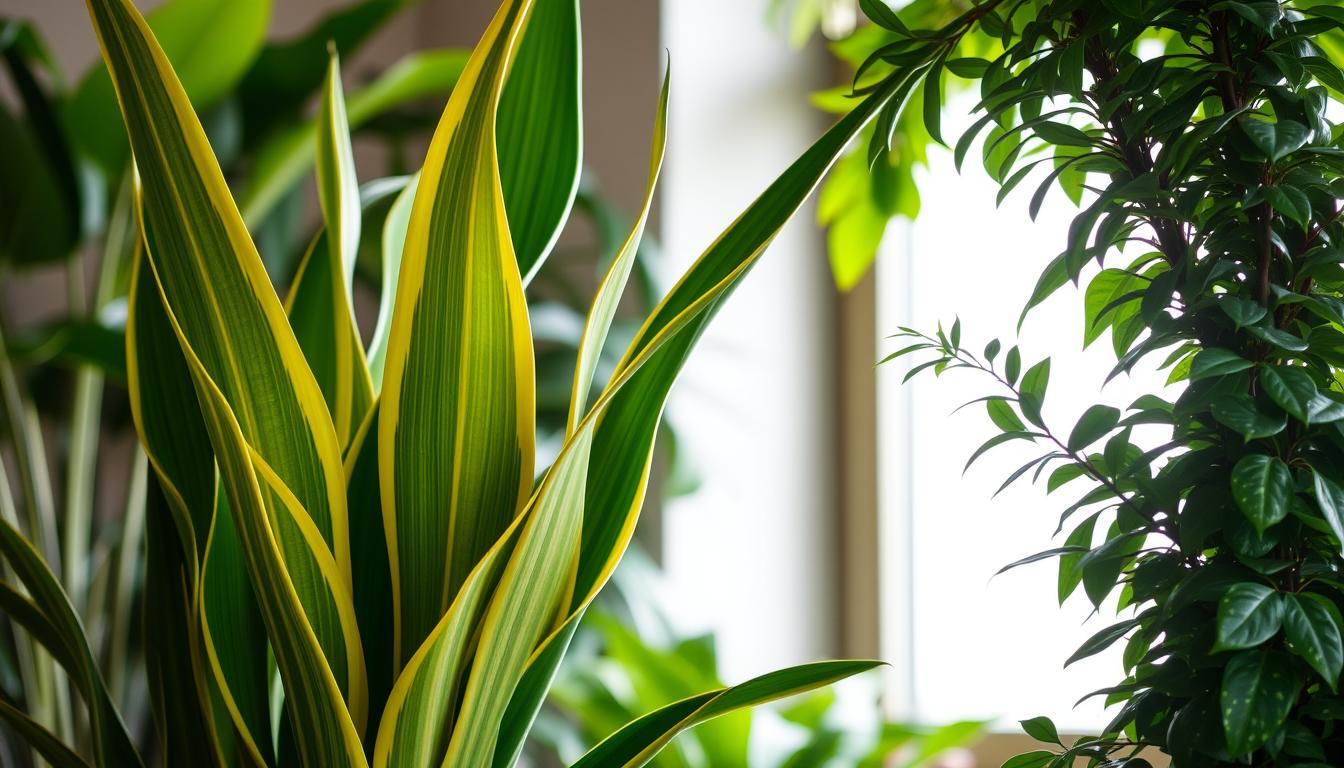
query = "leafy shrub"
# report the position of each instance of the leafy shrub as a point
(1199, 138)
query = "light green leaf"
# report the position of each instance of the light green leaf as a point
(640, 741)
(391, 242)
(609, 293)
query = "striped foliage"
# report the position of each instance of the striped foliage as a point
(354, 557)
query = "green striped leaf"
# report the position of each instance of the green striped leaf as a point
(337, 185)
(456, 430)
(644, 379)
(540, 670)
(637, 743)
(626, 416)
(44, 742)
(540, 131)
(324, 730)
(632, 403)
(214, 582)
(537, 583)
(233, 639)
(51, 620)
(415, 728)
(268, 426)
(166, 415)
(609, 293)
(320, 307)
(531, 691)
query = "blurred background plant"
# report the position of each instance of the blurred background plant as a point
(630, 658)
(868, 189)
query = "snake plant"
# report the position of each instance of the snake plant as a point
(351, 555)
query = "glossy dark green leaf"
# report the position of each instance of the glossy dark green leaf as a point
(1242, 311)
(1325, 408)
(1276, 140)
(1216, 362)
(1312, 626)
(1262, 487)
(1241, 413)
(1279, 338)
(1096, 644)
(540, 132)
(1330, 497)
(1291, 388)
(1248, 615)
(1258, 690)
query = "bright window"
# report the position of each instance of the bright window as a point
(966, 643)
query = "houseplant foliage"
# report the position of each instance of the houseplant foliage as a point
(1199, 138)
(629, 657)
(65, 196)
(351, 556)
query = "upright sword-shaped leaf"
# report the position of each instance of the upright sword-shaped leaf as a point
(273, 440)
(320, 304)
(456, 430)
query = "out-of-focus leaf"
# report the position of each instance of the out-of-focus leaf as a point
(285, 73)
(288, 153)
(210, 44)
(637, 743)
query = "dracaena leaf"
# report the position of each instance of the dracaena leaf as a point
(456, 426)
(255, 391)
